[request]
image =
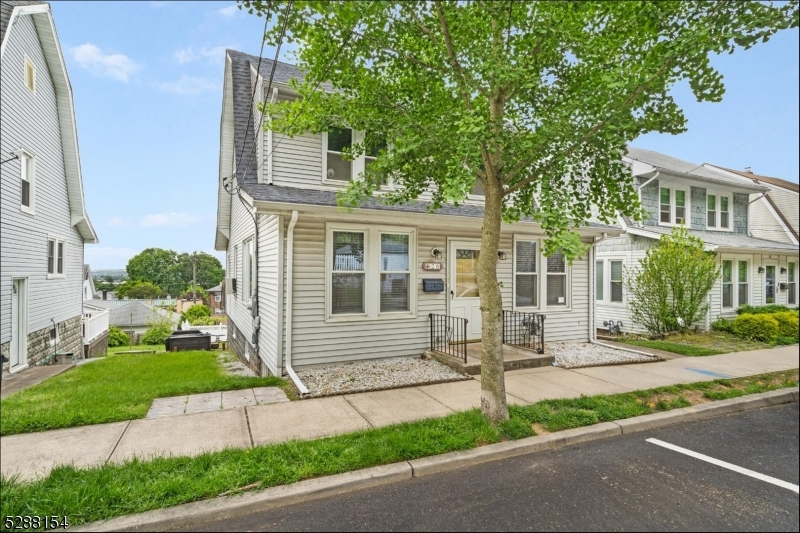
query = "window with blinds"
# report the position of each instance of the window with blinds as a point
(348, 276)
(727, 283)
(526, 280)
(743, 283)
(615, 281)
(556, 280)
(395, 272)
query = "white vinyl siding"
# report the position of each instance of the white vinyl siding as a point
(31, 120)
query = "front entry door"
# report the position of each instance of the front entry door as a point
(769, 284)
(463, 292)
(19, 323)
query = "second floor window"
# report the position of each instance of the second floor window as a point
(338, 168)
(55, 257)
(27, 178)
(672, 206)
(717, 211)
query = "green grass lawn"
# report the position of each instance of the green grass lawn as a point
(157, 347)
(698, 344)
(118, 387)
(136, 486)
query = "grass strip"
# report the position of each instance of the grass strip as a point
(136, 486)
(119, 387)
(675, 347)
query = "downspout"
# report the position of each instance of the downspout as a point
(289, 295)
(593, 305)
(642, 186)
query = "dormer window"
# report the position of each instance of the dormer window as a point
(717, 211)
(337, 167)
(672, 206)
(30, 76)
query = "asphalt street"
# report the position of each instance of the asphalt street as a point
(623, 484)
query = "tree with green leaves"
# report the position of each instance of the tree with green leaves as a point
(138, 289)
(667, 291)
(157, 266)
(208, 270)
(533, 101)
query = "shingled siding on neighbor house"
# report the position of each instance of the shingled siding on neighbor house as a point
(650, 202)
(740, 202)
(698, 202)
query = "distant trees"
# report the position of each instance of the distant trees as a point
(172, 272)
(138, 289)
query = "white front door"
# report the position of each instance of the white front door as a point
(19, 323)
(465, 300)
(770, 285)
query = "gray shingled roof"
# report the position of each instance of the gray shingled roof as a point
(692, 170)
(6, 8)
(136, 314)
(724, 239)
(291, 195)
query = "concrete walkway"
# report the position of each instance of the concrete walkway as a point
(35, 454)
(30, 377)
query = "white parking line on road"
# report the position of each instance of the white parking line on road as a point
(729, 466)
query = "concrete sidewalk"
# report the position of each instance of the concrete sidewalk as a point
(35, 454)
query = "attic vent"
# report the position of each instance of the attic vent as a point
(748, 170)
(30, 76)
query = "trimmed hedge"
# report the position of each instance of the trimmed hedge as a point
(763, 309)
(788, 324)
(758, 327)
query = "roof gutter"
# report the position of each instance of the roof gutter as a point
(289, 296)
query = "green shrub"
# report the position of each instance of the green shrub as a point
(157, 334)
(207, 321)
(723, 324)
(785, 341)
(195, 312)
(117, 337)
(788, 325)
(763, 309)
(762, 327)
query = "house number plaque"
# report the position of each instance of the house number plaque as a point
(431, 266)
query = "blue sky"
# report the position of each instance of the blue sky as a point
(147, 82)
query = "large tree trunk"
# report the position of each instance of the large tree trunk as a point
(493, 386)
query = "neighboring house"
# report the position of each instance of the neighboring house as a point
(338, 286)
(215, 299)
(135, 316)
(43, 217)
(776, 214)
(716, 208)
(88, 283)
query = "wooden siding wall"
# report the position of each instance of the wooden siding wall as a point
(316, 341)
(31, 121)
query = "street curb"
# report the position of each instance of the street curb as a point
(312, 489)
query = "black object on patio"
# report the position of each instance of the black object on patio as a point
(187, 340)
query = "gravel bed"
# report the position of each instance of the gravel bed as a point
(234, 367)
(580, 354)
(378, 374)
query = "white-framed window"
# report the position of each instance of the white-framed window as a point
(248, 269)
(30, 76)
(557, 280)
(735, 281)
(599, 276)
(370, 272)
(727, 283)
(526, 273)
(743, 282)
(55, 258)
(27, 164)
(615, 281)
(791, 268)
(236, 270)
(217, 298)
(673, 205)
(336, 168)
(718, 211)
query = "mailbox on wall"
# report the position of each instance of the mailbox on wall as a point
(432, 285)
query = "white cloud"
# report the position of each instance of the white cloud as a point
(188, 85)
(171, 220)
(229, 11)
(215, 54)
(92, 58)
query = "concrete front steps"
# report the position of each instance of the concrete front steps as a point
(514, 358)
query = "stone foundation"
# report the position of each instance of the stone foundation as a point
(239, 343)
(69, 340)
(96, 348)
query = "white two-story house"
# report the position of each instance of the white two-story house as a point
(334, 285)
(714, 206)
(43, 218)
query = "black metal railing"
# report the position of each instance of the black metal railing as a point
(449, 335)
(525, 330)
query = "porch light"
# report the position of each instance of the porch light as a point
(501, 255)
(783, 270)
(761, 270)
(436, 253)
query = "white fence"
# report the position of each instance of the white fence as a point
(218, 332)
(152, 302)
(95, 323)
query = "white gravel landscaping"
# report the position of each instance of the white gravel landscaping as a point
(580, 354)
(378, 374)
